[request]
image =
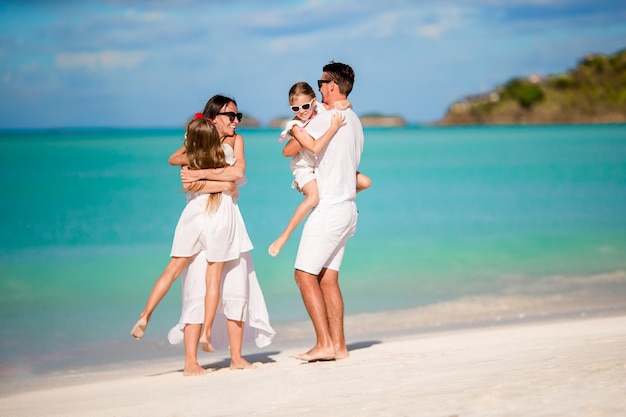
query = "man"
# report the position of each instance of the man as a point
(333, 221)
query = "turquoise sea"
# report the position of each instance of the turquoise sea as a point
(87, 218)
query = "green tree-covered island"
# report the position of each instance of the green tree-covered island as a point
(593, 92)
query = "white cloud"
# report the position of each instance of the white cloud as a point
(440, 21)
(433, 30)
(252, 49)
(426, 22)
(384, 25)
(152, 17)
(97, 60)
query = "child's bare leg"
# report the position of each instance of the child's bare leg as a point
(173, 269)
(311, 198)
(192, 338)
(235, 338)
(211, 300)
(363, 182)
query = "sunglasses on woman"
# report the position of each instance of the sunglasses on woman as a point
(232, 115)
(305, 106)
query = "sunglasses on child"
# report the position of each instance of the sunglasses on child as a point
(232, 115)
(305, 106)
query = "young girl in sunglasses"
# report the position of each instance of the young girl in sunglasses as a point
(304, 153)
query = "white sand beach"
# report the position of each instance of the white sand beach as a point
(568, 366)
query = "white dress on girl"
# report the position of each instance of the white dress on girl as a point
(220, 236)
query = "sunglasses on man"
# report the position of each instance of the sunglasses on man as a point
(320, 82)
(232, 115)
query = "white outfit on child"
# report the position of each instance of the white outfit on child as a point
(219, 236)
(303, 163)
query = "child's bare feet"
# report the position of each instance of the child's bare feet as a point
(139, 328)
(205, 343)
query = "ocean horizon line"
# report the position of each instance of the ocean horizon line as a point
(424, 125)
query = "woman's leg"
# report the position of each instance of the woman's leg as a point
(161, 287)
(311, 198)
(235, 338)
(192, 338)
(211, 301)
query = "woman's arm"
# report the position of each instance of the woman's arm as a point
(203, 186)
(228, 173)
(240, 157)
(178, 158)
(316, 146)
(208, 187)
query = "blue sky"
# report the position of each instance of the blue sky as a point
(131, 63)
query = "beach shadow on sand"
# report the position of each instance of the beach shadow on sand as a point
(362, 345)
(266, 357)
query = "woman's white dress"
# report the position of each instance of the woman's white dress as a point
(220, 236)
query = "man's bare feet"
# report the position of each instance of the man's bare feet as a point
(342, 354)
(317, 354)
(139, 328)
(193, 369)
(239, 364)
(278, 244)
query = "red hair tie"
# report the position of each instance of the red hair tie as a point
(198, 116)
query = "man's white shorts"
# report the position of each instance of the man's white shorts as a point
(324, 237)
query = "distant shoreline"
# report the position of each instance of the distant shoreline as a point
(591, 93)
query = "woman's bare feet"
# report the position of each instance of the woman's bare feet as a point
(241, 363)
(278, 244)
(139, 328)
(194, 369)
(317, 354)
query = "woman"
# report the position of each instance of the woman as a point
(242, 300)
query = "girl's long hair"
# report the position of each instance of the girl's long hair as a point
(204, 150)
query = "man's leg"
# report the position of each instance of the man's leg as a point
(315, 306)
(329, 285)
